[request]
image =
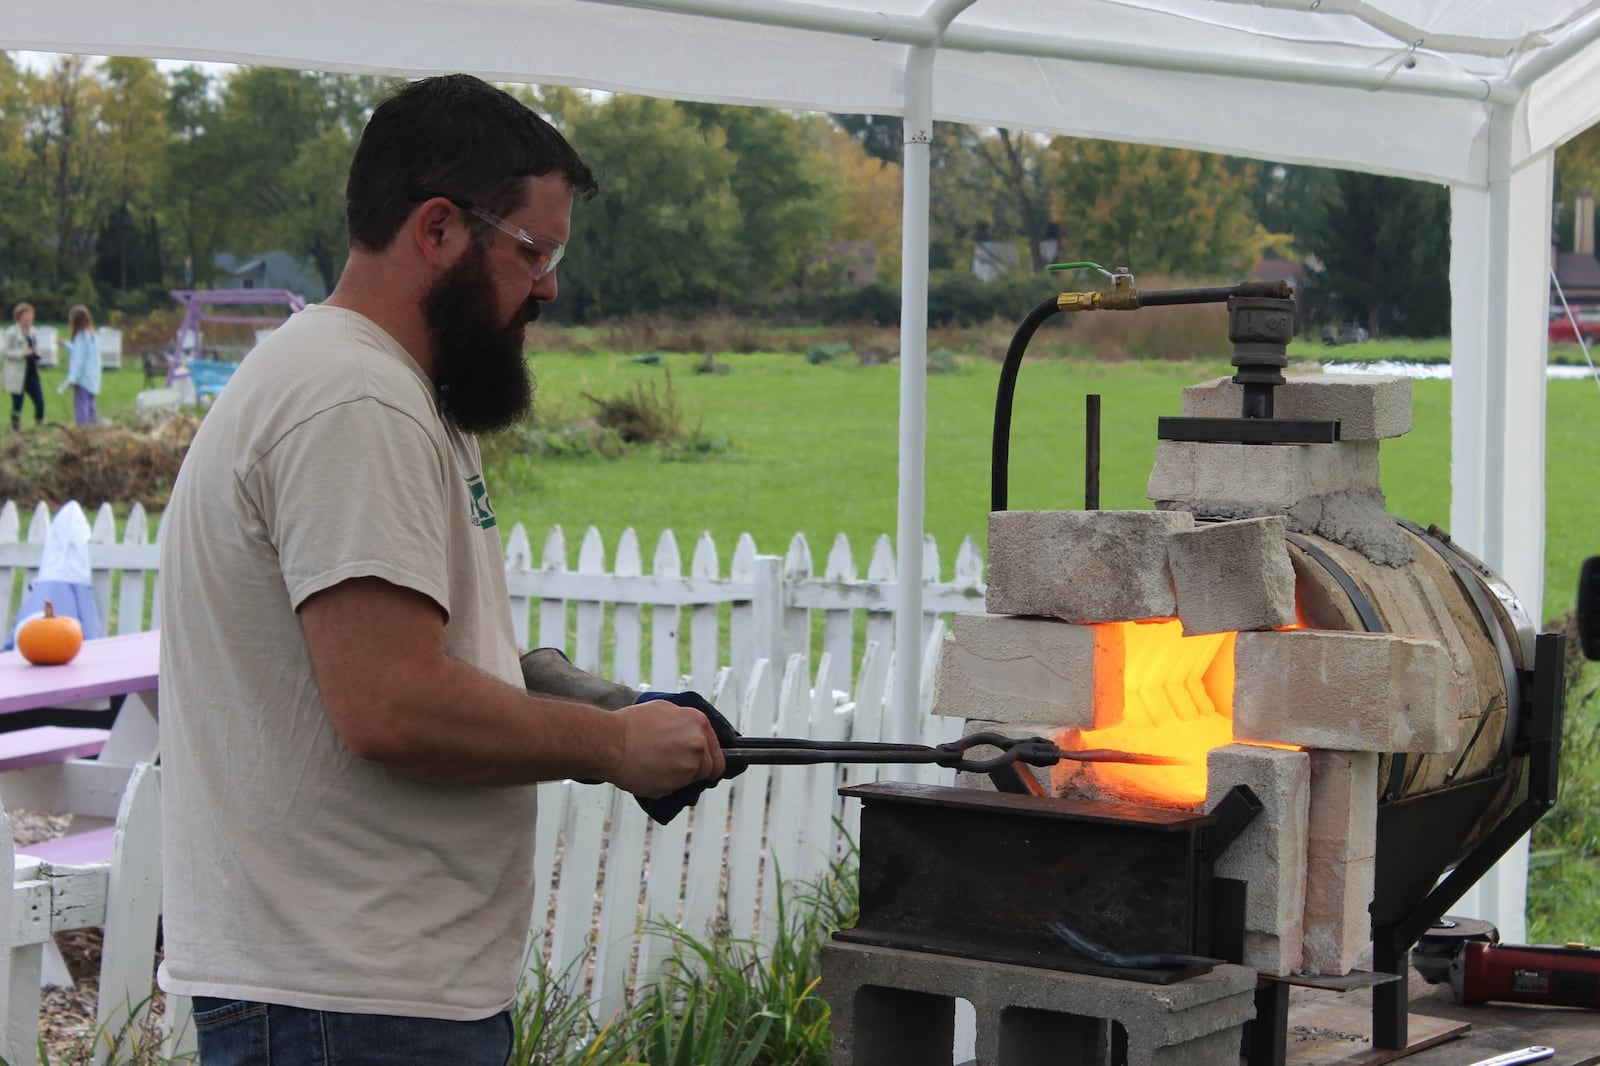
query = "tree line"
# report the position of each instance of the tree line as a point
(119, 180)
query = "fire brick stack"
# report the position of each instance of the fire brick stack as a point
(1311, 710)
(1341, 698)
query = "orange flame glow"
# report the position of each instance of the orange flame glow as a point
(1175, 699)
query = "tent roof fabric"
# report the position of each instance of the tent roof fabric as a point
(1393, 86)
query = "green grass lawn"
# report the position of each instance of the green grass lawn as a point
(813, 449)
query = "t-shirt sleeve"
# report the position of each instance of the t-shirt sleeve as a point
(357, 490)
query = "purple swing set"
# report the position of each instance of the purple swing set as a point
(209, 375)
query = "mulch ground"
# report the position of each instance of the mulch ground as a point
(66, 1015)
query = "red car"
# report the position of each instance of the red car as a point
(1562, 331)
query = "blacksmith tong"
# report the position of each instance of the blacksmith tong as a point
(548, 672)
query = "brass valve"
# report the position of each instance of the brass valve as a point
(1122, 296)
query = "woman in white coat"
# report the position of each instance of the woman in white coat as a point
(20, 375)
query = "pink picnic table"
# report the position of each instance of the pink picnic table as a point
(109, 666)
(52, 767)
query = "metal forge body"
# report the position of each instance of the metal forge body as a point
(1365, 709)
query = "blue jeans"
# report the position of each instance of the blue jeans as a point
(234, 1032)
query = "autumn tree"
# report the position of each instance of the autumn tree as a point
(1161, 211)
(68, 169)
(781, 189)
(287, 138)
(19, 239)
(134, 115)
(866, 194)
(663, 234)
(195, 184)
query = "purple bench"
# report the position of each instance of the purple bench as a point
(76, 849)
(46, 744)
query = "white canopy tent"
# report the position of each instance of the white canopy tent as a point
(1472, 93)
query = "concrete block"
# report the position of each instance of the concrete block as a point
(1343, 691)
(1006, 668)
(1275, 475)
(1344, 805)
(1195, 1022)
(1233, 576)
(1082, 566)
(1338, 923)
(1367, 406)
(1270, 855)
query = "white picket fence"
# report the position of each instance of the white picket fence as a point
(762, 609)
(602, 870)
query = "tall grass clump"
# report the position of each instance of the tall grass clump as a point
(138, 1042)
(721, 1001)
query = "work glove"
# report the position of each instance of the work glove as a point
(665, 808)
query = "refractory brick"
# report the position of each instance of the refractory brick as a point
(1004, 668)
(1366, 406)
(1270, 855)
(1344, 805)
(1338, 922)
(1082, 566)
(1231, 576)
(1264, 475)
(1343, 691)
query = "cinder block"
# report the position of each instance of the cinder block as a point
(1338, 923)
(1367, 406)
(1279, 475)
(1196, 1022)
(1082, 566)
(1005, 668)
(1344, 805)
(1343, 691)
(1270, 855)
(1233, 576)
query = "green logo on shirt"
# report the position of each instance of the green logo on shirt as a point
(482, 512)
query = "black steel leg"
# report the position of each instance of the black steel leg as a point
(1266, 1038)
(1390, 1002)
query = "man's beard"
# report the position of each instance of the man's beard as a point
(479, 369)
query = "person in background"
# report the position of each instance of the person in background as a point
(21, 371)
(83, 365)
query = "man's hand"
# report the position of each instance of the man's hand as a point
(664, 747)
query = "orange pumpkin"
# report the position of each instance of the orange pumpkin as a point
(51, 640)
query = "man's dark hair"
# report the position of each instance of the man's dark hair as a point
(456, 136)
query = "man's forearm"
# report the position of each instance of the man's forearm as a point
(449, 723)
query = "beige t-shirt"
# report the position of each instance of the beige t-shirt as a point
(295, 872)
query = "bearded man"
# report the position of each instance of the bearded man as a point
(348, 750)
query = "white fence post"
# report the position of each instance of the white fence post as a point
(519, 562)
(665, 656)
(553, 610)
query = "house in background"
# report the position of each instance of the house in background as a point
(1577, 273)
(994, 259)
(268, 270)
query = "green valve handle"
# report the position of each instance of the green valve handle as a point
(1080, 266)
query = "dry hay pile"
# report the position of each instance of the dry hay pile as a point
(125, 462)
